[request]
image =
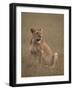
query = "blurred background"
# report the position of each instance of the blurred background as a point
(53, 34)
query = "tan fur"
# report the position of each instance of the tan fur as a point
(40, 48)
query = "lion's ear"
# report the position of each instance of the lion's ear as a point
(32, 30)
(41, 30)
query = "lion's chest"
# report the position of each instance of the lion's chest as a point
(35, 49)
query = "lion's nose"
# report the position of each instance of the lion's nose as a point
(39, 36)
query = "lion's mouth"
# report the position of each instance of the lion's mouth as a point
(38, 39)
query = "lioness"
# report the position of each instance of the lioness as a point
(40, 48)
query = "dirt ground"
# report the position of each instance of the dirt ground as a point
(53, 33)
